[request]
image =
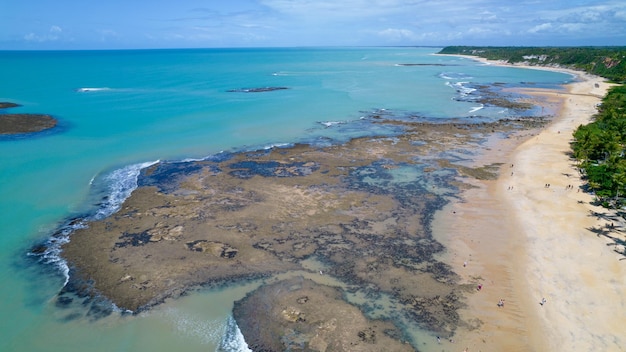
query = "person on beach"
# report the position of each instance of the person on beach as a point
(543, 301)
(501, 303)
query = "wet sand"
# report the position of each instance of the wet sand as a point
(523, 241)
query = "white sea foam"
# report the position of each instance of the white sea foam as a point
(225, 334)
(233, 340)
(332, 123)
(192, 326)
(476, 108)
(455, 76)
(206, 158)
(121, 183)
(277, 145)
(461, 88)
(92, 89)
(51, 256)
(187, 160)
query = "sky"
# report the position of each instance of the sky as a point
(143, 24)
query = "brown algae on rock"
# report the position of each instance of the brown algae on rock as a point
(361, 208)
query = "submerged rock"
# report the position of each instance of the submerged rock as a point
(276, 318)
(6, 105)
(25, 123)
(362, 209)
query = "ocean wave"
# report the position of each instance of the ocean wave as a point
(195, 327)
(218, 157)
(461, 88)
(233, 340)
(333, 123)
(454, 76)
(190, 160)
(50, 252)
(119, 184)
(476, 108)
(255, 90)
(92, 89)
(278, 145)
(308, 73)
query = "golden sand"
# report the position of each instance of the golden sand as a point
(524, 241)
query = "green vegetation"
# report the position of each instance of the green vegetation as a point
(607, 62)
(600, 146)
(601, 149)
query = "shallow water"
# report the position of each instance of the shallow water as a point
(143, 106)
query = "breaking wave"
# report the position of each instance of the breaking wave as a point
(120, 184)
(92, 89)
(233, 340)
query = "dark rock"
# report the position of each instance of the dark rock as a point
(7, 105)
(273, 318)
(218, 249)
(25, 123)
(63, 301)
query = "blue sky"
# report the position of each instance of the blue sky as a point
(120, 24)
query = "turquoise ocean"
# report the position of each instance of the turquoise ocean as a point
(121, 110)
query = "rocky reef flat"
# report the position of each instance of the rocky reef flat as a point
(360, 210)
(23, 123)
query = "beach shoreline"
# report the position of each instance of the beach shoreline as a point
(525, 237)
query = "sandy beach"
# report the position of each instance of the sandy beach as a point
(524, 242)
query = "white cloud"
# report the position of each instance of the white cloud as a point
(107, 34)
(347, 9)
(541, 28)
(397, 35)
(572, 27)
(338, 22)
(482, 31)
(488, 16)
(52, 35)
(31, 37)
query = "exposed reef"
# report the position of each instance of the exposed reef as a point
(6, 105)
(23, 123)
(361, 210)
(306, 316)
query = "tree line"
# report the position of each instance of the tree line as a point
(607, 62)
(600, 147)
